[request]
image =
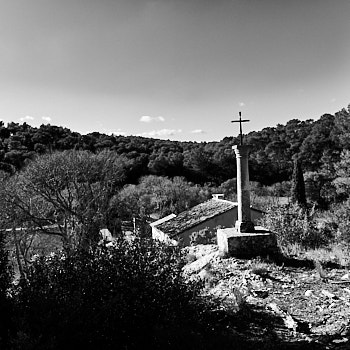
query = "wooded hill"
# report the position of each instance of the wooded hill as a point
(319, 144)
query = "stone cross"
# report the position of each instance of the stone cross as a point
(240, 121)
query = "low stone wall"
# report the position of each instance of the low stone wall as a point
(246, 245)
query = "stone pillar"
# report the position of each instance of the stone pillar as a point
(244, 222)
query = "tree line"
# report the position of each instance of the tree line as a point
(318, 144)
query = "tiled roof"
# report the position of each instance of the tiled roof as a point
(196, 215)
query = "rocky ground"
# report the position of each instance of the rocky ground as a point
(295, 303)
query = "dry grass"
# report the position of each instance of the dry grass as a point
(334, 253)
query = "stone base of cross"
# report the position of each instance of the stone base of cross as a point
(244, 226)
(261, 242)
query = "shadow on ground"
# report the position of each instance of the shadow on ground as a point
(280, 260)
(251, 328)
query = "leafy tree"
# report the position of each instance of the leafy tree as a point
(321, 138)
(15, 158)
(68, 141)
(318, 188)
(295, 133)
(43, 137)
(157, 195)
(342, 127)
(342, 168)
(229, 189)
(202, 166)
(277, 151)
(339, 221)
(167, 164)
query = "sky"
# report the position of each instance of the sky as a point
(172, 69)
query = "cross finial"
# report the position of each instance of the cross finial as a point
(240, 121)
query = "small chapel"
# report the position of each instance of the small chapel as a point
(208, 216)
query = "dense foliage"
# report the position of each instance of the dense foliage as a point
(293, 224)
(317, 143)
(161, 195)
(124, 296)
(5, 281)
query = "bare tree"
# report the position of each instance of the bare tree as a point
(65, 194)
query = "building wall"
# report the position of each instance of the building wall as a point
(161, 236)
(225, 220)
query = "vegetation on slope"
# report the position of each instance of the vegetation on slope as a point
(57, 182)
(318, 144)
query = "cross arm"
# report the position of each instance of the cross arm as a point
(240, 121)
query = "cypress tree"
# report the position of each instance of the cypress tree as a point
(298, 185)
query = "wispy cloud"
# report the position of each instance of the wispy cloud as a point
(47, 119)
(149, 119)
(198, 131)
(26, 118)
(161, 133)
(241, 104)
(333, 100)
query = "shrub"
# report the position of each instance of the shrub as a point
(5, 271)
(127, 295)
(293, 224)
(5, 280)
(205, 236)
(339, 218)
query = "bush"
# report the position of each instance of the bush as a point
(293, 224)
(339, 219)
(205, 236)
(5, 271)
(5, 281)
(127, 295)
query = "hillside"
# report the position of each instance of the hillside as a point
(269, 305)
(318, 143)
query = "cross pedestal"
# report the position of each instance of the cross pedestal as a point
(261, 242)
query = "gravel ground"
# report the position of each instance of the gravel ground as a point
(303, 304)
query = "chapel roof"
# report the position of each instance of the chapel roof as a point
(196, 215)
